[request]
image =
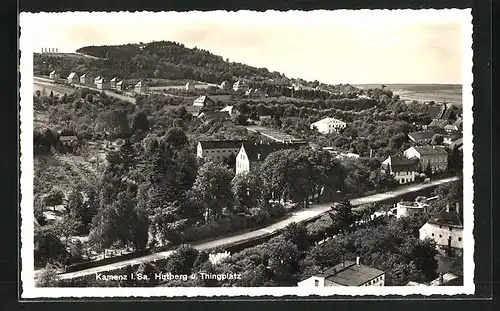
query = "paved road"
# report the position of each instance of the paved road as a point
(40, 83)
(313, 211)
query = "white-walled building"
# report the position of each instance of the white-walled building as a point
(120, 86)
(405, 208)
(86, 79)
(73, 78)
(102, 84)
(112, 83)
(54, 75)
(435, 156)
(141, 87)
(218, 151)
(347, 273)
(203, 101)
(190, 86)
(401, 168)
(225, 85)
(328, 125)
(240, 85)
(446, 229)
(233, 112)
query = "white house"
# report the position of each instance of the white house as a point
(347, 273)
(240, 86)
(225, 85)
(403, 170)
(54, 75)
(328, 125)
(86, 79)
(446, 229)
(434, 156)
(120, 86)
(203, 101)
(112, 83)
(233, 112)
(73, 78)
(190, 86)
(141, 87)
(102, 84)
(96, 79)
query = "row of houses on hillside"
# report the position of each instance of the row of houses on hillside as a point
(100, 82)
(249, 154)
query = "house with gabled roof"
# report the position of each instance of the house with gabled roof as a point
(203, 101)
(73, 78)
(225, 85)
(240, 85)
(328, 125)
(207, 116)
(346, 273)
(102, 83)
(54, 75)
(446, 229)
(218, 150)
(141, 87)
(190, 86)
(86, 79)
(112, 83)
(233, 112)
(434, 156)
(120, 85)
(401, 168)
(252, 154)
(423, 137)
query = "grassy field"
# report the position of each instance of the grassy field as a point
(451, 93)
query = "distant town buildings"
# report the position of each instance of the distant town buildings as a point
(240, 85)
(54, 75)
(434, 156)
(347, 273)
(141, 87)
(340, 154)
(252, 154)
(401, 168)
(446, 229)
(254, 93)
(73, 78)
(203, 101)
(328, 125)
(69, 141)
(218, 151)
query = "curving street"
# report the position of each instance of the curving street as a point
(298, 216)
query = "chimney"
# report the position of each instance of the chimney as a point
(447, 207)
(357, 261)
(343, 264)
(457, 206)
(441, 279)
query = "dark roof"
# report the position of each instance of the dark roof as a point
(424, 135)
(350, 274)
(215, 114)
(429, 150)
(401, 164)
(448, 112)
(439, 123)
(64, 138)
(435, 111)
(222, 144)
(204, 99)
(259, 151)
(458, 123)
(448, 216)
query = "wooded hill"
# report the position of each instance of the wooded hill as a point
(162, 59)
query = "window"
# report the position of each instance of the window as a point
(459, 239)
(432, 234)
(440, 235)
(316, 283)
(450, 229)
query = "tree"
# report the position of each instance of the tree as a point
(343, 216)
(297, 234)
(48, 277)
(75, 205)
(140, 122)
(428, 170)
(241, 119)
(176, 137)
(212, 189)
(182, 260)
(48, 246)
(437, 139)
(115, 122)
(246, 191)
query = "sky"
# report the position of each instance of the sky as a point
(355, 47)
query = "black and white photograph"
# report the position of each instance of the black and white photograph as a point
(245, 153)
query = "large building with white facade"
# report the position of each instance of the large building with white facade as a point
(406, 208)
(328, 125)
(446, 229)
(434, 156)
(401, 168)
(218, 151)
(347, 273)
